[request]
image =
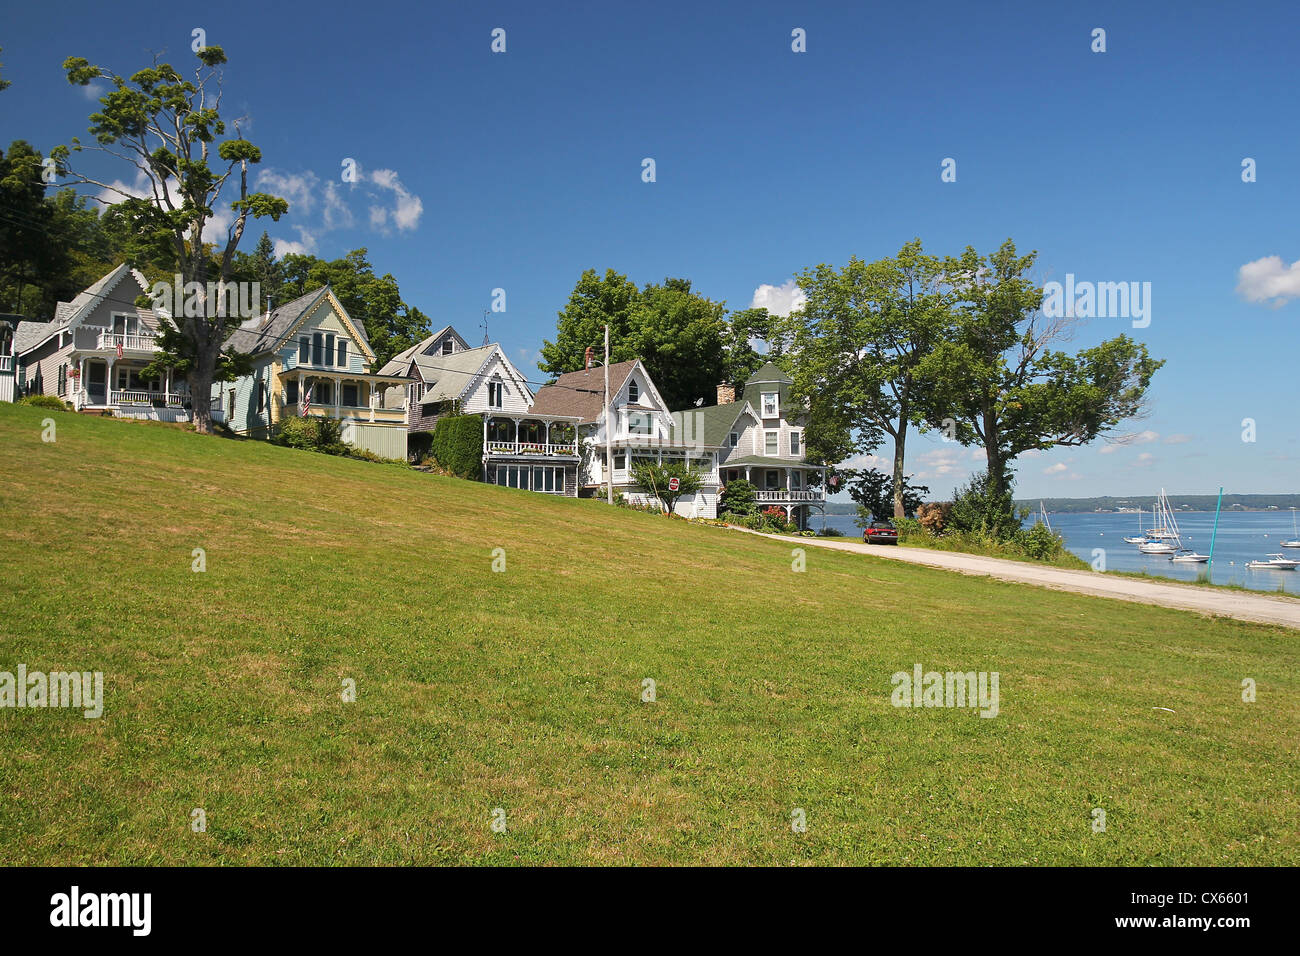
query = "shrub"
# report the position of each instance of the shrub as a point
(737, 498)
(977, 509)
(1039, 542)
(44, 401)
(298, 433)
(458, 445)
(934, 516)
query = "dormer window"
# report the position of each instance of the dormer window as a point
(343, 353)
(447, 346)
(304, 351)
(770, 409)
(495, 393)
(633, 393)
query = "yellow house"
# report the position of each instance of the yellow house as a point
(311, 358)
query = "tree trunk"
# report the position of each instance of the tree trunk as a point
(900, 447)
(201, 400)
(993, 452)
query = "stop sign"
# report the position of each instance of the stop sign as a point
(674, 484)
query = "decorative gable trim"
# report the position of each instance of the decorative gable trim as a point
(358, 341)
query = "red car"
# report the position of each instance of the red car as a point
(880, 531)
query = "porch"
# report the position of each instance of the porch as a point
(356, 396)
(530, 436)
(123, 387)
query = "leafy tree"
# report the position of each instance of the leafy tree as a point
(873, 490)
(855, 349)
(4, 84)
(984, 508)
(997, 380)
(29, 252)
(594, 302)
(654, 477)
(737, 498)
(167, 128)
(740, 359)
(262, 266)
(677, 333)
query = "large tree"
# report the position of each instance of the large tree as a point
(679, 334)
(999, 381)
(168, 129)
(855, 348)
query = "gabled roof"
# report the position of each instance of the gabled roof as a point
(770, 372)
(582, 393)
(452, 374)
(763, 381)
(67, 315)
(707, 426)
(253, 338)
(400, 362)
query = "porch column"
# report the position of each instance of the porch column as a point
(81, 383)
(485, 439)
(516, 421)
(338, 397)
(546, 446)
(108, 382)
(302, 390)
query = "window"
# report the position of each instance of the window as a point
(350, 396)
(638, 423)
(447, 346)
(633, 392)
(495, 394)
(735, 439)
(317, 349)
(770, 409)
(230, 405)
(329, 347)
(794, 443)
(291, 392)
(772, 481)
(796, 479)
(304, 350)
(620, 461)
(261, 397)
(343, 353)
(63, 378)
(772, 443)
(322, 393)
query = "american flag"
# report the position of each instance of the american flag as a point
(119, 348)
(306, 400)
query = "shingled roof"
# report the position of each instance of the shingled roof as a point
(262, 336)
(581, 393)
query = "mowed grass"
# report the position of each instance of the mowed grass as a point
(521, 690)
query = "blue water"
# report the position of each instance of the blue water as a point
(1243, 536)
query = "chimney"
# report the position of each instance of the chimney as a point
(726, 394)
(587, 357)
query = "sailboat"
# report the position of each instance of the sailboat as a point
(1294, 542)
(1138, 538)
(1181, 555)
(1154, 542)
(1042, 514)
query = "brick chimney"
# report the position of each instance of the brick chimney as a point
(726, 394)
(587, 357)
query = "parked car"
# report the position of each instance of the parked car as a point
(880, 531)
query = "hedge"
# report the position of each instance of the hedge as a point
(458, 445)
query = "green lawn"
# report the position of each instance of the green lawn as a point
(521, 690)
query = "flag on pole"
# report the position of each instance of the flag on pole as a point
(306, 400)
(119, 348)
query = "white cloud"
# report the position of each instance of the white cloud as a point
(869, 461)
(779, 299)
(407, 207)
(299, 189)
(1139, 438)
(1146, 458)
(1056, 469)
(305, 244)
(1269, 280)
(1178, 439)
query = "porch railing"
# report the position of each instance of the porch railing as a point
(130, 343)
(126, 397)
(531, 448)
(789, 495)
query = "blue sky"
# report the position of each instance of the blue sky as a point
(519, 170)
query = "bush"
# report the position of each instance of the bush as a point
(44, 401)
(737, 498)
(458, 445)
(298, 433)
(934, 516)
(1039, 542)
(977, 509)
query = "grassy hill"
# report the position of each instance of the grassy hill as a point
(522, 690)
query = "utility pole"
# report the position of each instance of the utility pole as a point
(609, 429)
